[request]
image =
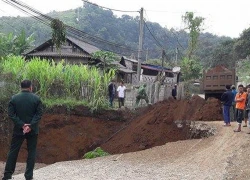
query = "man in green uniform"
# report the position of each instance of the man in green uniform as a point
(25, 110)
(141, 94)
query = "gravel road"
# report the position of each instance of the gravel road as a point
(220, 157)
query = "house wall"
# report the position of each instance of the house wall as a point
(155, 92)
(151, 79)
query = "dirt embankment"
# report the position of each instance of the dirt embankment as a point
(67, 135)
(158, 126)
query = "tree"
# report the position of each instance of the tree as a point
(15, 44)
(58, 32)
(194, 26)
(191, 69)
(158, 62)
(242, 45)
(190, 66)
(107, 58)
(224, 54)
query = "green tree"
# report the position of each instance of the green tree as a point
(224, 54)
(124, 30)
(108, 59)
(193, 24)
(242, 45)
(191, 69)
(58, 32)
(158, 62)
(15, 44)
(190, 66)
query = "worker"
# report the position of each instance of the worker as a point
(174, 91)
(141, 94)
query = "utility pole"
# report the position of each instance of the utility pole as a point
(163, 54)
(147, 55)
(140, 46)
(176, 55)
(162, 58)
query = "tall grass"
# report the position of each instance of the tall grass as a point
(55, 81)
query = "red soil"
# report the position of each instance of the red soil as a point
(67, 135)
(157, 127)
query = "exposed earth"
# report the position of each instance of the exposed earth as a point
(66, 135)
(224, 156)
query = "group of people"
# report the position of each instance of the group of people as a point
(238, 103)
(112, 93)
(141, 94)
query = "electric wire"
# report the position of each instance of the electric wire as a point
(107, 7)
(41, 17)
(159, 44)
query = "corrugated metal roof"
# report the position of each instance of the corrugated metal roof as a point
(88, 48)
(122, 68)
(83, 45)
(126, 70)
(129, 59)
(156, 68)
(57, 54)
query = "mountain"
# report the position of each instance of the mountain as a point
(124, 30)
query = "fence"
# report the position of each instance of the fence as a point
(155, 92)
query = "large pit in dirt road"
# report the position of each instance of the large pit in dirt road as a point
(68, 135)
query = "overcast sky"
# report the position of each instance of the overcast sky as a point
(222, 17)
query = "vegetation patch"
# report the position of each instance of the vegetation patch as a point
(98, 152)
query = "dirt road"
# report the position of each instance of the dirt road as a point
(221, 157)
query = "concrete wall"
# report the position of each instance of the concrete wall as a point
(155, 92)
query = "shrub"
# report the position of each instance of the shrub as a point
(98, 152)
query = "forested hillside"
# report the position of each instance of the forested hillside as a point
(120, 30)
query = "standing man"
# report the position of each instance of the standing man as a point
(141, 94)
(246, 111)
(240, 100)
(233, 110)
(25, 110)
(227, 99)
(248, 106)
(121, 94)
(174, 91)
(111, 89)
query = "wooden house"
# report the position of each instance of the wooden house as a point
(149, 73)
(72, 51)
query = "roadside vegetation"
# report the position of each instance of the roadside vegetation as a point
(98, 152)
(59, 83)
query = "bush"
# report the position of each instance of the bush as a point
(98, 152)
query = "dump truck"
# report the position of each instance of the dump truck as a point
(215, 80)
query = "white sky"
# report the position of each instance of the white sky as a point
(223, 17)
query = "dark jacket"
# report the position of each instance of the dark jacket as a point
(227, 98)
(25, 108)
(174, 91)
(111, 89)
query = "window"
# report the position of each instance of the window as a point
(222, 76)
(229, 76)
(208, 77)
(215, 77)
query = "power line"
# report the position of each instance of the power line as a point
(169, 37)
(107, 7)
(41, 17)
(159, 44)
(177, 39)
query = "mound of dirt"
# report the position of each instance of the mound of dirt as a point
(211, 111)
(157, 125)
(68, 134)
(65, 137)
